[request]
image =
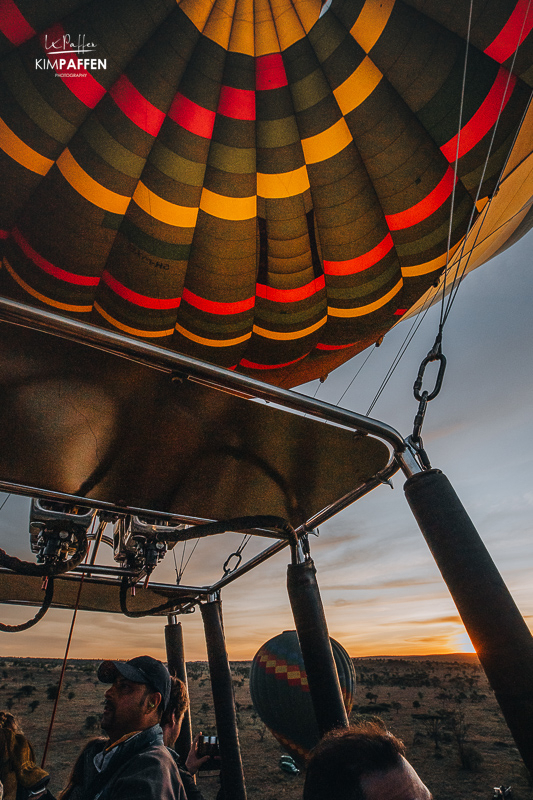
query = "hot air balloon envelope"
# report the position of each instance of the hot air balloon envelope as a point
(265, 186)
(280, 693)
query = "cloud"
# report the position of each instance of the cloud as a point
(434, 640)
(454, 618)
(397, 583)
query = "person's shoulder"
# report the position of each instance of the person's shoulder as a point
(157, 747)
(155, 753)
(94, 746)
(175, 757)
(154, 774)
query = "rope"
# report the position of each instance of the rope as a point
(47, 602)
(415, 325)
(63, 667)
(183, 566)
(245, 539)
(356, 374)
(176, 563)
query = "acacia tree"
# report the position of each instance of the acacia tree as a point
(433, 725)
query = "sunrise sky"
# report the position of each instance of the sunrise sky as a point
(382, 592)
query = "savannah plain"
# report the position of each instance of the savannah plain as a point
(441, 706)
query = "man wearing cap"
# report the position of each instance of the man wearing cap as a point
(133, 762)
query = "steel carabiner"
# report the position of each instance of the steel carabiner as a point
(431, 356)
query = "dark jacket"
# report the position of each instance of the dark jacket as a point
(140, 768)
(191, 789)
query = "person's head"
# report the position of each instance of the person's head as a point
(8, 721)
(363, 762)
(137, 697)
(175, 711)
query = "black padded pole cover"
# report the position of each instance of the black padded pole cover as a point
(178, 668)
(496, 628)
(312, 630)
(224, 703)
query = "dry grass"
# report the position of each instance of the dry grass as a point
(449, 693)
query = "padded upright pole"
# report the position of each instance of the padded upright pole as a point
(224, 703)
(496, 628)
(312, 630)
(178, 668)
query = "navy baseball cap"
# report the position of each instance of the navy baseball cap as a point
(142, 669)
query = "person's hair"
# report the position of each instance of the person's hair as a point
(8, 721)
(76, 775)
(339, 761)
(178, 703)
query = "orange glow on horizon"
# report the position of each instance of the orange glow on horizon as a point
(99, 636)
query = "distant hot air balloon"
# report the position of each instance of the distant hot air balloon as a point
(280, 694)
(264, 185)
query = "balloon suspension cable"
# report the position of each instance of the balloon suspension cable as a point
(431, 296)
(411, 333)
(457, 150)
(460, 273)
(183, 567)
(458, 277)
(319, 384)
(371, 351)
(178, 578)
(436, 354)
(62, 675)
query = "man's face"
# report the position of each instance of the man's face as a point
(400, 783)
(126, 707)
